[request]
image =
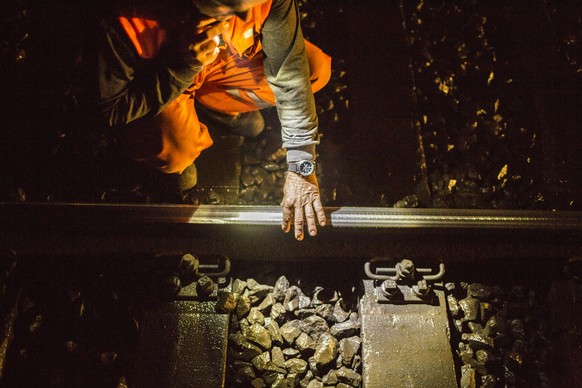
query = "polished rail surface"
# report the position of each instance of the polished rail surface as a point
(254, 232)
(340, 217)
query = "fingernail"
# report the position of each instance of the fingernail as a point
(313, 232)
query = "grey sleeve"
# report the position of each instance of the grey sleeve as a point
(287, 71)
(131, 87)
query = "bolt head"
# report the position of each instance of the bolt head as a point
(389, 287)
(421, 288)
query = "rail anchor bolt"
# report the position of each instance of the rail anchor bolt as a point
(389, 288)
(405, 269)
(421, 289)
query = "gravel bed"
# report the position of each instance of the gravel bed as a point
(479, 138)
(481, 131)
(290, 326)
(285, 336)
(503, 335)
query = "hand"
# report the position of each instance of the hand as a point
(301, 197)
(197, 44)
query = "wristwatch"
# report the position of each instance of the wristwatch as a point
(302, 167)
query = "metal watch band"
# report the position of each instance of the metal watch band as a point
(296, 167)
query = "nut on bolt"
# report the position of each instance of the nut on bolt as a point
(405, 269)
(389, 288)
(205, 286)
(421, 288)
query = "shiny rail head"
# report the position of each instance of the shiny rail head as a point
(339, 217)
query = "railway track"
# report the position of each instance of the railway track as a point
(116, 243)
(102, 257)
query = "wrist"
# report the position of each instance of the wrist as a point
(296, 154)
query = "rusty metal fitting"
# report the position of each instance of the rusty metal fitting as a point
(205, 286)
(389, 288)
(421, 289)
(405, 269)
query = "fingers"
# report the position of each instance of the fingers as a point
(208, 31)
(287, 216)
(197, 43)
(298, 223)
(318, 206)
(204, 40)
(206, 22)
(206, 47)
(208, 52)
(310, 218)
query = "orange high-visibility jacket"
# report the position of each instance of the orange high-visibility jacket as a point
(169, 135)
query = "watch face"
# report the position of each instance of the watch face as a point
(306, 168)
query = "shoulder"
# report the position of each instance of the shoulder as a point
(280, 4)
(146, 26)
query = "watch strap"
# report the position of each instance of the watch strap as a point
(296, 166)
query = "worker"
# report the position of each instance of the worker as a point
(166, 71)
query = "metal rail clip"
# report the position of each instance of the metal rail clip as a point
(403, 283)
(206, 277)
(213, 265)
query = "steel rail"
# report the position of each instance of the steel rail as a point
(250, 233)
(338, 217)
